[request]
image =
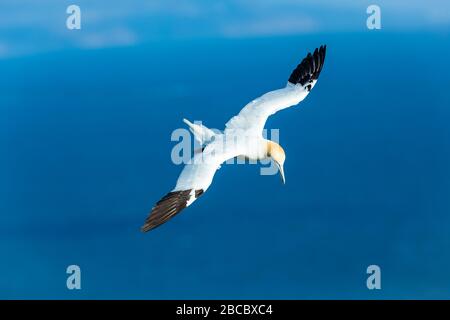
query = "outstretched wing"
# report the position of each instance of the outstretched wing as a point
(193, 181)
(254, 115)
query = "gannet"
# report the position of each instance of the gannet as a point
(242, 137)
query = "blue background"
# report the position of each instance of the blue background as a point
(85, 124)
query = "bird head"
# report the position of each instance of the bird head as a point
(276, 153)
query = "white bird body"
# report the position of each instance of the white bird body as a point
(242, 137)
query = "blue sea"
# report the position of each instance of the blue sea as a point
(85, 139)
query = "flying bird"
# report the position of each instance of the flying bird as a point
(242, 137)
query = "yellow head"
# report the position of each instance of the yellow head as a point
(276, 152)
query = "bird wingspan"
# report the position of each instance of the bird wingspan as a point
(254, 115)
(197, 176)
(193, 181)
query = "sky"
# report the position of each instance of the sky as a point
(86, 118)
(28, 26)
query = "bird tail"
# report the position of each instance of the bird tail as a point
(201, 133)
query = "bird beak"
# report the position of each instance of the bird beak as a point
(281, 170)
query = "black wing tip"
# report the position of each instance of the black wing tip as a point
(309, 69)
(146, 228)
(166, 208)
(169, 205)
(198, 193)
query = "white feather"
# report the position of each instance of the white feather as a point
(253, 116)
(202, 134)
